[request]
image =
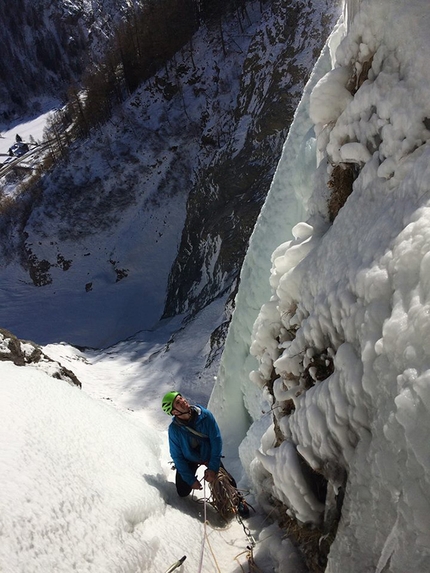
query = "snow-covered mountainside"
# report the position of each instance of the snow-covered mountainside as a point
(46, 47)
(231, 188)
(151, 214)
(339, 348)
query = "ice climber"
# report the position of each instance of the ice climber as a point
(194, 440)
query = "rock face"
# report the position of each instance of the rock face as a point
(226, 199)
(26, 353)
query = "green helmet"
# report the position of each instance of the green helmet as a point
(167, 402)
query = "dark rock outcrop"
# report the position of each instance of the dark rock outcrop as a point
(26, 353)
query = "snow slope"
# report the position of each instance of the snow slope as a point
(86, 479)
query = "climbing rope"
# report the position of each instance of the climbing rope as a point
(253, 568)
(225, 497)
(205, 536)
(204, 527)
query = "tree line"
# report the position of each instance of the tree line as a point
(141, 45)
(39, 54)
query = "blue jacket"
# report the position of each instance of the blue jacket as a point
(186, 447)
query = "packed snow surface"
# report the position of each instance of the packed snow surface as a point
(86, 478)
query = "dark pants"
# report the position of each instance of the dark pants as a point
(184, 489)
